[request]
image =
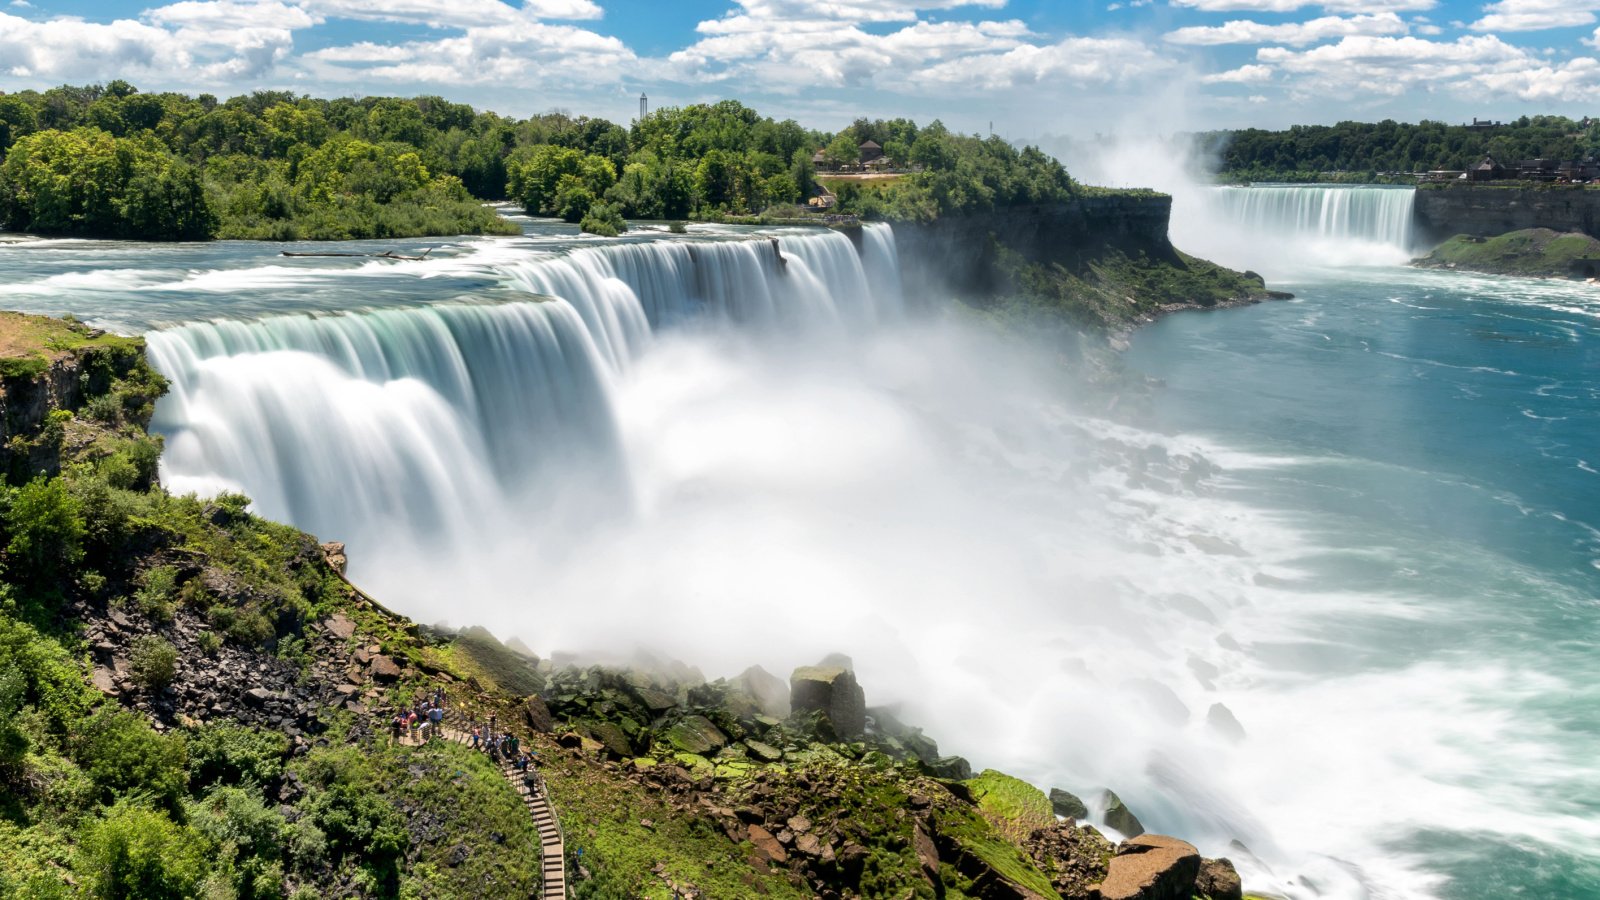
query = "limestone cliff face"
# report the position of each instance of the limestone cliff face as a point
(1484, 211)
(958, 252)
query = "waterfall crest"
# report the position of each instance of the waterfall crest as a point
(414, 423)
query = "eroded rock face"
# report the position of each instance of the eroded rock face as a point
(1065, 803)
(1075, 858)
(1119, 816)
(1152, 867)
(537, 714)
(832, 691)
(1218, 880)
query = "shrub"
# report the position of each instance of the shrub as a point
(231, 754)
(604, 219)
(45, 532)
(155, 662)
(157, 587)
(209, 642)
(137, 853)
(122, 753)
(678, 227)
(248, 834)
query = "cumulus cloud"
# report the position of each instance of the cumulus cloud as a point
(1283, 6)
(533, 52)
(1245, 31)
(1471, 65)
(455, 13)
(1250, 74)
(1536, 15)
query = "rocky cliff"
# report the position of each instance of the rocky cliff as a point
(1494, 209)
(1102, 261)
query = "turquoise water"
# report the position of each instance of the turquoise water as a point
(1364, 520)
(1437, 438)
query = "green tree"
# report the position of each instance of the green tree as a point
(44, 532)
(133, 853)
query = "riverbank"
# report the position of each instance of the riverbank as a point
(1530, 252)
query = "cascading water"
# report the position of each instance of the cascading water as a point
(1289, 228)
(1316, 632)
(408, 424)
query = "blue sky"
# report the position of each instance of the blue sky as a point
(1027, 66)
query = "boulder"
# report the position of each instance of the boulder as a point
(763, 752)
(340, 626)
(1067, 804)
(333, 552)
(768, 691)
(954, 768)
(1222, 721)
(1218, 880)
(384, 668)
(832, 691)
(1119, 816)
(697, 735)
(1152, 867)
(537, 714)
(611, 736)
(766, 844)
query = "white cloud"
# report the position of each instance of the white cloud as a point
(1470, 66)
(1536, 15)
(532, 53)
(463, 14)
(1248, 74)
(1279, 6)
(1244, 31)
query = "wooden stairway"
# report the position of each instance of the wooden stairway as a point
(552, 843)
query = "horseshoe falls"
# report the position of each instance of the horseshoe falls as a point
(1280, 229)
(1323, 600)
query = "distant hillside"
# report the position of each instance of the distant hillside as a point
(1363, 151)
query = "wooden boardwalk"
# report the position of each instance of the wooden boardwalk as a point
(552, 843)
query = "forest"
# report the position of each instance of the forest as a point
(1366, 151)
(111, 161)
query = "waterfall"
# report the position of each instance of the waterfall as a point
(1276, 227)
(434, 423)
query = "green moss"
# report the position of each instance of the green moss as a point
(1014, 806)
(1536, 252)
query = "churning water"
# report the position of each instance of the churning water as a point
(1329, 594)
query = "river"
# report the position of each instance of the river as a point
(1329, 594)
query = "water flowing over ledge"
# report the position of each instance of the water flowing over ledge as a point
(417, 419)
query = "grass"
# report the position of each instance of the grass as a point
(620, 831)
(28, 344)
(1538, 252)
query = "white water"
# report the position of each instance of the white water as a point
(1282, 230)
(689, 449)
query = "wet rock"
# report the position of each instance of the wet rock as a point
(832, 691)
(696, 734)
(1218, 880)
(768, 691)
(763, 752)
(1119, 817)
(954, 768)
(1067, 804)
(1222, 721)
(1152, 867)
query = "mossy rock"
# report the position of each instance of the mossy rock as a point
(695, 734)
(1015, 807)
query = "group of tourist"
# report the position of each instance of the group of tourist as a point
(424, 722)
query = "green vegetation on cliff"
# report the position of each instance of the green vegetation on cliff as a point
(1309, 153)
(1535, 252)
(1112, 285)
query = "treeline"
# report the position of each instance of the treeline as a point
(110, 161)
(1369, 149)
